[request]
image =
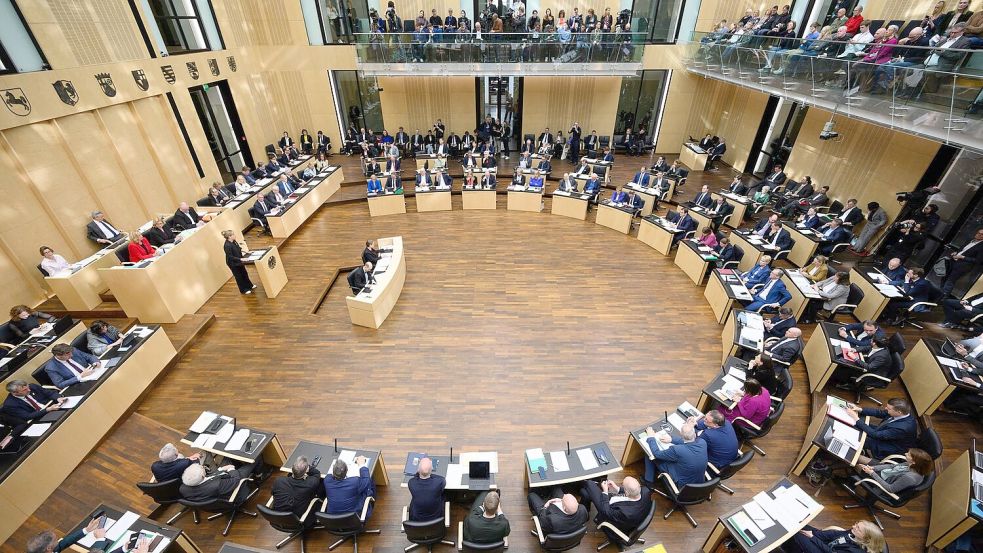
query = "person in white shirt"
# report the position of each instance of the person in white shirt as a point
(242, 187)
(857, 44)
(52, 263)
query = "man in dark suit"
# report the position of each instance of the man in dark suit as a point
(641, 178)
(416, 142)
(703, 199)
(323, 143)
(247, 176)
(832, 233)
(196, 485)
(851, 214)
(715, 154)
(763, 227)
(591, 143)
(777, 325)
(545, 138)
(284, 186)
(295, 492)
(962, 261)
(101, 231)
(772, 295)
(737, 186)
(361, 277)
(561, 514)
(170, 464)
(684, 223)
(545, 166)
(685, 460)
(719, 210)
(877, 360)
(895, 435)
(860, 335)
(784, 350)
(894, 271)
(778, 239)
(371, 253)
(259, 172)
(285, 141)
(262, 208)
(69, 365)
(625, 514)
(426, 493)
(26, 402)
(185, 217)
(917, 288)
(959, 310)
(775, 178)
(720, 437)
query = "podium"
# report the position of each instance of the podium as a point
(269, 267)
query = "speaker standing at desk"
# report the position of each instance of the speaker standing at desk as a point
(361, 277)
(235, 260)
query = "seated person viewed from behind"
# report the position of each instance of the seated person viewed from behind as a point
(561, 514)
(139, 248)
(101, 231)
(26, 402)
(47, 542)
(894, 435)
(170, 464)
(52, 263)
(426, 493)
(623, 507)
(753, 404)
(361, 277)
(685, 461)
(101, 336)
(720, 437)
(24, 322)
(196, 485)
(69, 365)
(862, 537)
(294, 492)
(348, 495)
(485, 522)
(896, 478)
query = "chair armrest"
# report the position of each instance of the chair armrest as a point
(844, 306)
(406, 514)
(736, 263)
(447, 514)
(506, 541)
(776, 399)
(365, 508)
(894, 459)
(665, 476)
(747, 422)
(976, 318)
(460, 535)
(621, 535)
(324, 506)
(310, 507)
(713, 468)
(539, 529)
(780, 252)
(235, 492)
(871, 375)
(269, 503)
(875, 483)
(921, 304)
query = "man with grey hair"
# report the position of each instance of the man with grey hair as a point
(426, 493)
(47, 542)
(624, 507)
(69, 365)
(347, 495)
(26, 402)
(101, 231)
(295, 492)
(685, 461)
(170, 464)
(198, 485)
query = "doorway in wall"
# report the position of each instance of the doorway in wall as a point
(776, 135)
(501, 99)
(223, 129)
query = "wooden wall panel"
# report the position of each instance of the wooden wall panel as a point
(712, 11)
(417, 102)
(904, 9)
(868, 162)
(168, 157)
(731, 112)
(556, 102)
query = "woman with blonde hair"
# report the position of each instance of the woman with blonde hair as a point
(139, 247)
(862, 537)
(817, 270)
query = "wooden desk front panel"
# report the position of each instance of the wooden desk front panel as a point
(693, 160)
(655, 236)
(284, 225)
(80, 291)
(389, 204)
(525, 201)
(923, 378)
(819, 364)
(569, 207)
(274, 278)
(433, 201)
(479, 199)
(613, 218)
(804, 247)
(751, 254)
(692, 263)
(950, 503)
(874, 301)
(717, 297)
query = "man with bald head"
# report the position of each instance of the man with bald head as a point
(562, 514)
(911, 50)
(427, 493)
(624, 507)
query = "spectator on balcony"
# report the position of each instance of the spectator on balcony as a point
(788, 42)
(912, 50)
(840, 20)
(748, 14)
(959, 15)
(974, 30)
(933, 21)
(420, 38)
(739, 39)
(853, 24)
(944, 59)
(808, 49)
(463, 20)
(450, 22)
(861, 72)
(857, 44)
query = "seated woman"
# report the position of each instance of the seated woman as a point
(708, 238)
(753, 404)
(896, 478)
(816, 270)
(725, 251)
(761, 198)
(23, 320)
(161, 234)
(139, 248)
(101, 336)
(53, 263)
(833, 292)
(322, 163)
(862, 537)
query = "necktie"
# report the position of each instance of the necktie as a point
(774, 241)
(73, 366)
(764, 291)
(107, 229)
(32, 403)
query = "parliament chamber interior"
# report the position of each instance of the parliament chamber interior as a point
(490, 275)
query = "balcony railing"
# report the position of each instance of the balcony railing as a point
(500, 53)
(920, 93)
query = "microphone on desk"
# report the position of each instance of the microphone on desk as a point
(336, 445)
(452, 455)
(568, 448)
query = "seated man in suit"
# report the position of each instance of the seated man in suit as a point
(777, 325)
(525, 162)
(685, 461)
(833, 233)
(370, 165)
(917, 288)
(725, 252)
(294, 492)
(593, 186)
(633, 200)
(851, 214)
(68, 365)
(703, 199)
(101, 336)
(784, 350)
(197, 485)
(737, 186)
(771, 295)
(778, 239)
(348, 495)
(641, 178)
(624, 507)
(536, 180)
(185, 217)
(264, 208)
(374, 185)
(958, 311)
(426, 493)
(246, 175)
(371, 253)
(423, 180)
(274, 197)
(758, 275)
(860, 335)
(26, 402)
(718, 210)
(284, 186)
(361, 277)
(273, 167)
(720, 437)
(259, 172)
(561, 514)
(101, 231)
(170, 464)
(48, 542)
(810, 219)
(895, 435)
(608, 155)
(763, 227)
(544, 166)
(488, 180)
(876, 361)
(567, 184)
(684, 223)
(485, 522)
(894, 271)
(660, 165)
(392, 164)
(714, 154)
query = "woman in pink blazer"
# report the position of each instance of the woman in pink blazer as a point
(753, 404)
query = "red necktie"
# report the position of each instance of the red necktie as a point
(33, 403)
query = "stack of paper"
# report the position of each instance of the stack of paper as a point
(36, 429)
(71, 402)
(587, 459)
(536, 459)
(204, 419)
(455, 473)
(559, 461)
(846, 434)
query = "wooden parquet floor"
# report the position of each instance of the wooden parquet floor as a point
(514, 330)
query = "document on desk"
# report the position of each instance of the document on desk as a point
(846, 434)
(36, 430)
(737, 373)
(238, 440)
(758, 515)
(740, 291)
(90, 539)
(71, 402)
(877, 277)
(490, 456)
(559, 461)
(792, 512)
(225, 433)
(889, 290)
(947, 362)
(752, 334)
(204, 441)
(802, 497)
(587, 459)
(204, 419)
(96, 374)
(121, 526)
(455, 473)
(535, 458)
(746, 528)
(732, 383)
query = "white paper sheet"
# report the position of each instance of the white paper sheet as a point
(203, 421)
(737, 373)
(758, 515)
(225, 433)
(587, 459)
(36, 430)
(677, 421)
(70, 402)
(204, 441)
(489, 456)
(90, 539)
(122, 525)
(559, 461)
(946, 362)
(846, 434)
(740, 291)
(238, 440)
(455, 473)
(96, 375)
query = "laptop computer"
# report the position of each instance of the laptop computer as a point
(63, 324)
(479, 473)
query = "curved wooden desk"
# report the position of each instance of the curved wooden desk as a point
(371, 308)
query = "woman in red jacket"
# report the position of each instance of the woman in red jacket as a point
(139, 248)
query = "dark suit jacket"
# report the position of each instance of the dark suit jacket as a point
(838, 236)
(370, 255)
(888, 437)
(169, 471)
(624, 515)
(861, 344)
(554, 521)
(219, 486)
(60, 375)
(20, 409)
(233, 253)
(854, 217)
(779, 326)
(817, 199)
(878, 362)
(723, 210)
(158, 237)
(786, 351)
(784, 239)
(739, 188)
(919, 290)
(702, 199)
(186, 220)
(775, 179)
(93, 233)
(357, 279)
(262, 207)
(295, 494)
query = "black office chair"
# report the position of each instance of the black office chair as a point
(81, 342)
(874, 493)
(785, 378)
(42, 377)
(123, 253)
(41, 269)
(289, 523)
(558, 542)
(738, 256)
(690, 494)
(221, 506)
(164, 494)
(427, 533)
(730, 470)
(911, 315)
(835, 206)
(203, 202)
(783, 254)
(621, 540)
(853, 299)
(928, 441)
(472, 547)
(837, 247)
(346, 526)
(748, 431)
(257, 220)
(864, 382)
